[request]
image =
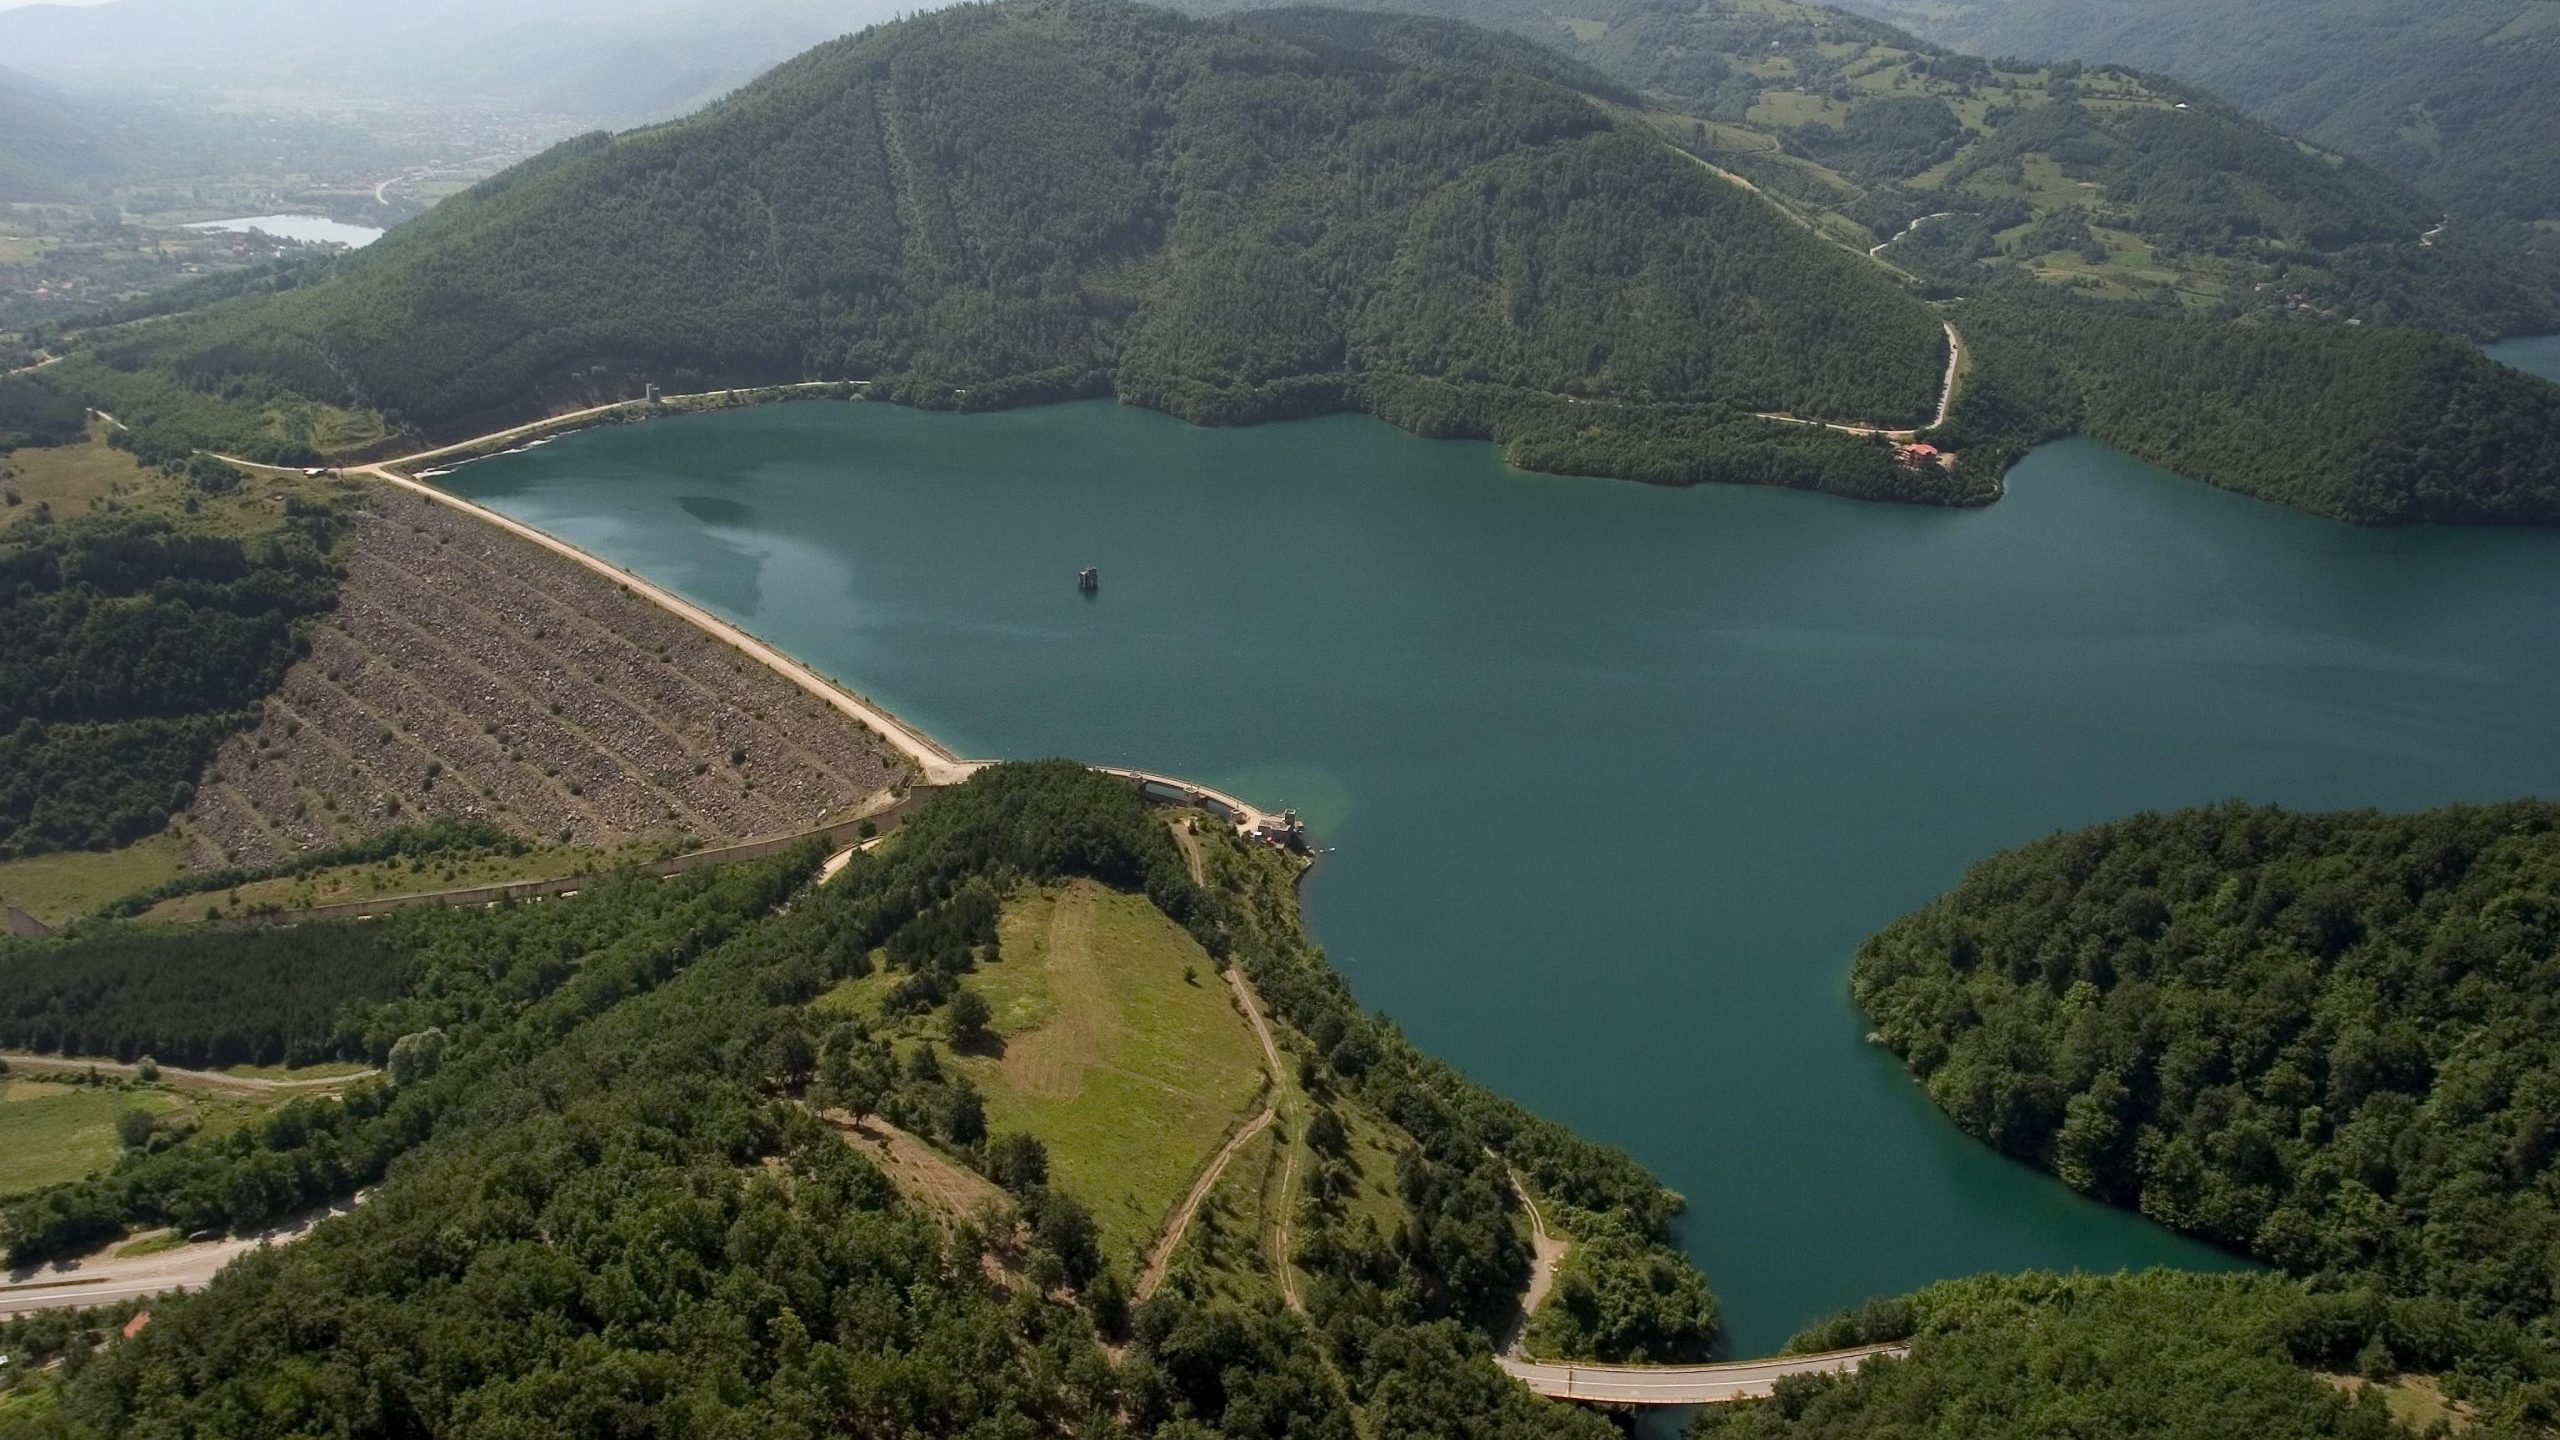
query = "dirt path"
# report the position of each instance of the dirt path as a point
(1946, 401)
(1547, 1250)
(1160, 1255)
(952, 1191)
(1955, 342)
(105, 1279)
(1877, 252)
(1280, 1266)
(1280, 1251)
(208, 1080)
(1191, 856)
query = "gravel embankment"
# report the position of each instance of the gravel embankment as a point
(470, 673)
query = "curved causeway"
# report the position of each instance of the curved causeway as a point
(1717, 1384)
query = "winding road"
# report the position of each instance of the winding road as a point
(1876, 252)
(1955, 342)
(1946, 401)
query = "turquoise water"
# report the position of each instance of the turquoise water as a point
(1618, 776)
(2536, 354)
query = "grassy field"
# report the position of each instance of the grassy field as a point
(402, 877)
(54, 888)
(325, 1070)
(1131, 1073)
(1230, 1239)
(50, 1133)
(68, 478)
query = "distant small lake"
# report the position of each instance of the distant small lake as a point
(2533, 354)
(1619, 776)
(308, 229)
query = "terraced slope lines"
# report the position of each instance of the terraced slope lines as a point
(466, 673)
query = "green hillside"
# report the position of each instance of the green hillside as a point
(611, 1187)
(2159, 1356)
(2320, 1039)
(1017, 202)
(2454, 98)
(1637, 259)
(2105, 181)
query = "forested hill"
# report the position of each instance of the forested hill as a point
(2104, 181)
(613, 1194)
(2324, 1039)
(1034, 200)
(2453, 95)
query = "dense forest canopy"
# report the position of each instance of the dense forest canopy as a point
(1556, 245)
(2162, 1356)
(129, 650)
(2379, 427)
(2321, 1039)
(602, 1195)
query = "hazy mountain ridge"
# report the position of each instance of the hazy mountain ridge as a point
(601, 62)
(58, 148)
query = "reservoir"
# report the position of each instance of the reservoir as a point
(1618, 777)
(306, 229)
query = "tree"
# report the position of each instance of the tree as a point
(964, 1117)
(134, 1128)
(1018, 1162)
(967, 1022)
(416, 1056)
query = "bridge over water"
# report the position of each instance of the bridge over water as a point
(1716, 1384)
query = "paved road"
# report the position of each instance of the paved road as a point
(105, 1280)
(1685, 1384)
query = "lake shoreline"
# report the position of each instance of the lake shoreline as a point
(1717, 692)
(1425, 409)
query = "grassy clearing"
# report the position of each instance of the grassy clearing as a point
(2416, 1401)
(1122, 1067)
(1372, 1158)
(1228, 1245)
(1129, 1072)
(326, 1070)
(54, 888)
(69, 479)
(401, 877)
(51, 1133)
